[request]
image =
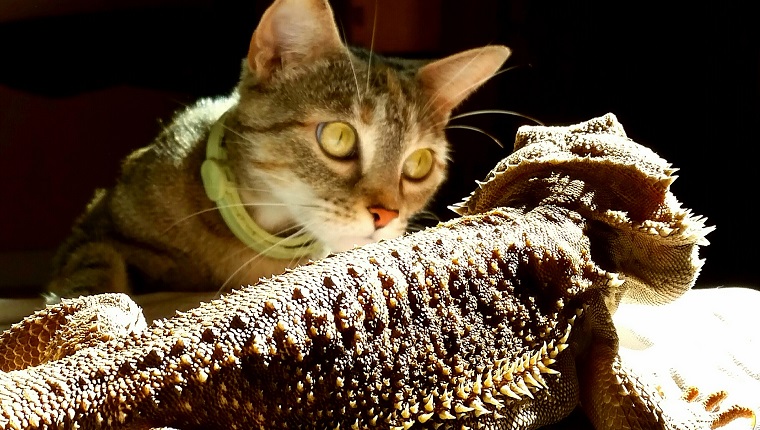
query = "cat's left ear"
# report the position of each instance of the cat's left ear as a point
(292, 33)
(450, 80)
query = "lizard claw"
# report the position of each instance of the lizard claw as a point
(734, 413)
(711, 404)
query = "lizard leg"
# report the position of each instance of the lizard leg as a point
(614, 397)
(60, 330)
(611, 396)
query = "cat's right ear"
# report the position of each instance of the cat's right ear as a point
(292, 33)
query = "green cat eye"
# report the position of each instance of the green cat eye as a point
(337, 139)
(418, 164)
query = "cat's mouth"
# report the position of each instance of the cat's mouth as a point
(293, 231)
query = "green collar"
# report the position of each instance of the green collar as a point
(219, 183)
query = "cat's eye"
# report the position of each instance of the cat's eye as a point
(418, 164)
(337, 139)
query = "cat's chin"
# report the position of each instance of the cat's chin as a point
(346, 243)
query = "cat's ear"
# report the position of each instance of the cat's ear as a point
(450, 80)
(291, 33)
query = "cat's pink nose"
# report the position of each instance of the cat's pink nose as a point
(382, 216)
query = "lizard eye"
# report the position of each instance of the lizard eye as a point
(418, 164)
(337, 139)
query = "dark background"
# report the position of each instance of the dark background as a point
(85, 82)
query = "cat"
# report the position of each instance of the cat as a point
(319, 148)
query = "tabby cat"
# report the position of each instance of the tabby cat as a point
(319, 148)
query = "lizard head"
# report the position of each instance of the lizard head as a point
(621, 190)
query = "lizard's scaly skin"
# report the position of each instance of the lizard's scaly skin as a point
(499, 319)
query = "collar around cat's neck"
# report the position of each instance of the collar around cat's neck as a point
(220, 186)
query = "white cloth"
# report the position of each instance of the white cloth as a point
(708, 339)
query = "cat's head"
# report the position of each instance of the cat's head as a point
(341, 142)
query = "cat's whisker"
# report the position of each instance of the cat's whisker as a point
(314, 204)
(507, 69)
(185, 218)
(233, 256)
(371, 48)
(469, 127)
(464, 91)
(413, 227)
(248, 264)
(224, 287)
(300, 203)
(426, 215)
(349, 57)
(301, 228)
(294, 260)
(235, 132)
(257, 204)
(359, 98)
(477, 84)
(496, 111)
(240, 136)
(258, 190)
(261, 171)
(416, 222)
(274, 175)
(453, 78)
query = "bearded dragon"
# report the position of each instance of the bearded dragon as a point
(499, 319)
